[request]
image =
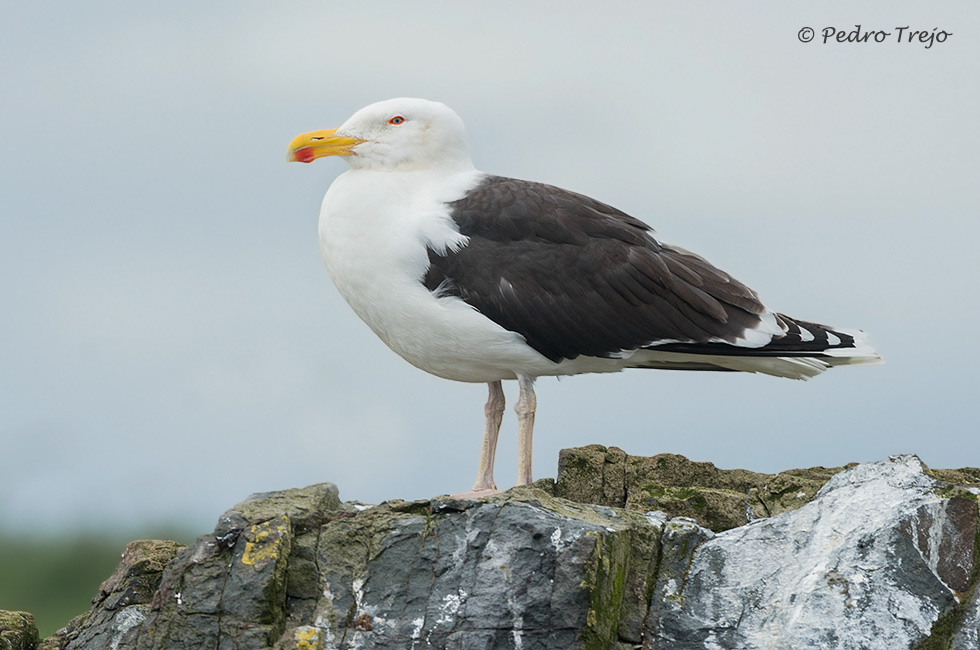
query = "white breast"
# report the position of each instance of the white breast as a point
(375, 228)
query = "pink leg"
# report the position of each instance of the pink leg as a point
(494, 411)
(525, 428)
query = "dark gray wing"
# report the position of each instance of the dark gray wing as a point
(576, 277)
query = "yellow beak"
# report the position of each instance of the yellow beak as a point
(317, 144)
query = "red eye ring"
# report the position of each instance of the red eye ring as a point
(396, 120)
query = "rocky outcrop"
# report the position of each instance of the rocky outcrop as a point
(872, 562)
(881, 555)
(122, 603)
(718, 499)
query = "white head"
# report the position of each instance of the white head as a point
(394, 135)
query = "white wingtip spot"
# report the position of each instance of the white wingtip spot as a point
(762, 334)
(862, 352)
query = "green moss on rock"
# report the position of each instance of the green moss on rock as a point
(716, 498)
(605, 577)
(306, 507)
(17, 631)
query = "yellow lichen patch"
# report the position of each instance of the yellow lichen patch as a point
(264, 541)
(307, 638)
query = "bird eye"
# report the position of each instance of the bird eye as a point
(396, 120)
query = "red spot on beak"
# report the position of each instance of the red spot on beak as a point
(304, 154)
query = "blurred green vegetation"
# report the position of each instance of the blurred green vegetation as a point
(56, 578)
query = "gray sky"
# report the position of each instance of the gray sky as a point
(170, 340)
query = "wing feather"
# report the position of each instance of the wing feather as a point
(576, 277)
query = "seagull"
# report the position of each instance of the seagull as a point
(480, 278)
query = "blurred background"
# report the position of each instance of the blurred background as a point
(170, 341)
